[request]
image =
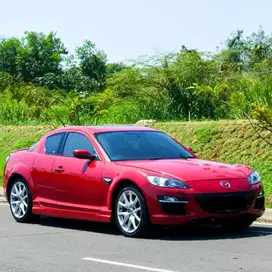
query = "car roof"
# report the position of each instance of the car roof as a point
(105, 128)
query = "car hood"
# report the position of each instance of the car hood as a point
(190, 169)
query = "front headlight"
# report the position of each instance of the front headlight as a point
(167, 182)
(254, 178)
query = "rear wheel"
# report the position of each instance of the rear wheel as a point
(20, 200)
(131, 213)
(237, 224)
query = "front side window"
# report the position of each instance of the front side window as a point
(32, 148)
(52, 144)
(77, 141)
(141, 145)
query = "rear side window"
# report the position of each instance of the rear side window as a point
(77, 141)
(53, 143)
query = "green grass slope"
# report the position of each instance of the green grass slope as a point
(225, 141)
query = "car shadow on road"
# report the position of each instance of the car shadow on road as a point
(182, 233)
(200, 232)
(81, 225)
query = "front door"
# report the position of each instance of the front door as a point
(78, 185)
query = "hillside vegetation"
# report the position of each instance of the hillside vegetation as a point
(42, 83)
(226, 141)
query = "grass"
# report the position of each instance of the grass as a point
(232, 142)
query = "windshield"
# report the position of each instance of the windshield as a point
(141, 145)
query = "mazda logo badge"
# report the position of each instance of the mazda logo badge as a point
(225, 184)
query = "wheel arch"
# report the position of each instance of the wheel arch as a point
(119, 186)
(12, 178)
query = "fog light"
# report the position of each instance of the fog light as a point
(170, 199)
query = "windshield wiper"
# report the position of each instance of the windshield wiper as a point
(188, 157)
(181, 157)
(157, 158)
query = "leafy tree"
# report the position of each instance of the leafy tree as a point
(92, 63)
(6, 80)
(177, 74)
(114, 68)
(40, 54)
(9, 52)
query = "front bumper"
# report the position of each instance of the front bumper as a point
(195, 206)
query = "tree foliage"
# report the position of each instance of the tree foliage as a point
(92, 63)
(37, 72)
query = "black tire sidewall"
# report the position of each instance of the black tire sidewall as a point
(145, 224)
(28, 215)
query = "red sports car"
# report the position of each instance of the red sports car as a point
(131, 176)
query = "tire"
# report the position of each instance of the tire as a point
(20, 201)
(131, 212)
(238, 224)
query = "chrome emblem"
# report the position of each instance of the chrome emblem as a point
(107, 180)
(225, 184)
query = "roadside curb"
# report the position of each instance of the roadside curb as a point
(2, 196)
(267, 217)
(1, 192)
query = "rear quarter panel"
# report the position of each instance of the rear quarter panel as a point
(20, 163)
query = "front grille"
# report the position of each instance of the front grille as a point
(225, 202)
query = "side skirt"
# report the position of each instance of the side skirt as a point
(102, 216)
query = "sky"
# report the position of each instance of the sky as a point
(127, 29)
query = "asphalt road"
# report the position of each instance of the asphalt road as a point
(73, 246)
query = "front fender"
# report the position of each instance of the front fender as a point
(138, 177)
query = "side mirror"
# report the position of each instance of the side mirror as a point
(84, 154)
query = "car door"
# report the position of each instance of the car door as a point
(79, 185)
(41, 172)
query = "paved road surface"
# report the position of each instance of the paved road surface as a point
(57, 245)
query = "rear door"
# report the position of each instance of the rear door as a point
(79, 185)
(42, 171)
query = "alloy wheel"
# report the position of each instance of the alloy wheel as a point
(129, 211)
(19, 199)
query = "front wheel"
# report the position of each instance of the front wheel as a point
(131, 213)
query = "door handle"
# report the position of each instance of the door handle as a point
(59, 169)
